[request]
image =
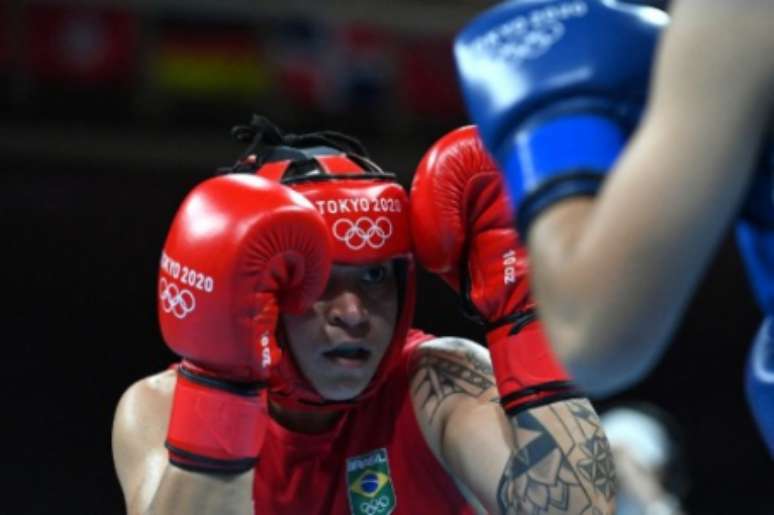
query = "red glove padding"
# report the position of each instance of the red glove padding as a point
(463, 229)
(240, 249)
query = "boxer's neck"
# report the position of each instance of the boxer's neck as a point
(304, 421)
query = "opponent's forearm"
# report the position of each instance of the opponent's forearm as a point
(613, 279)
(614, 284)
(193, 493)
(610, 312)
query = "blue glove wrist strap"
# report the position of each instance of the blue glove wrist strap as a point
(553, 159)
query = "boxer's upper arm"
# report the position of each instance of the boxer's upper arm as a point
(139, 431)
(453, 375)
(613, 276)
(506, 462)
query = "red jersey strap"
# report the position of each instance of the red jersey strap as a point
(527, 372)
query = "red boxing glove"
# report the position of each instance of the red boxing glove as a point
(240, 249)
(463, 229)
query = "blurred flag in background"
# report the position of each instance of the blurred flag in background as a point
(204, 61)
(80, 45)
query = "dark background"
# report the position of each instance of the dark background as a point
(110, 115)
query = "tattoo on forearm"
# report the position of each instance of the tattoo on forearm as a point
(596, 466)
(437, 377)
(569, 470)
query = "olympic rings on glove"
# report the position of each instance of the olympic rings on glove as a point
(174, 300)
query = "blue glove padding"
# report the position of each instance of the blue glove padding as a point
(556, 87)
(756, 247)
(755, 230)
(760, 381)
(758, 207)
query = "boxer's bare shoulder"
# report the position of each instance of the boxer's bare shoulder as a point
(447, 374)
(447, 370)
(139, 431)
(148, 398)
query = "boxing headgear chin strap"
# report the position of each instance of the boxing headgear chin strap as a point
(367, 213)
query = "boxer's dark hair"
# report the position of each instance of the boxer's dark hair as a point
(268, 143)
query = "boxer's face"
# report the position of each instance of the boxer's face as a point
(339, 342)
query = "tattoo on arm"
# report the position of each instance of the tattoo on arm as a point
(475, 360)
(566, 470)
(438, 376)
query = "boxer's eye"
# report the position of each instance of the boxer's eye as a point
(374, 274)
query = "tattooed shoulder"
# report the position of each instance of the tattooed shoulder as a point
(448, 367)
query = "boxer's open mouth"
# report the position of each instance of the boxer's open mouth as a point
(348, 355)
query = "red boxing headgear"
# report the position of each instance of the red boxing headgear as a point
(367, 213)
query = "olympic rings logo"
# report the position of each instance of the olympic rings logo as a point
(363, 231)
(174, 300)
(375, 506)
(539, 40)
(531, 34)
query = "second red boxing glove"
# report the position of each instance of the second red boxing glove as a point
(464, 231)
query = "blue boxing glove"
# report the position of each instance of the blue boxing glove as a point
(755, 229)
(755, 238)
(556, 88)
(759, 381)
(758, 207)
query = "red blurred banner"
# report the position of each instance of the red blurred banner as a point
(5, 43)
(299, 54)
(90, 45)
(428, 80)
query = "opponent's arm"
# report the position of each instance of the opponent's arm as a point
(614, 278)
(613, 275)
(150, 484)
(552, 459)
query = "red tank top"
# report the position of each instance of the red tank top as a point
(373, 462)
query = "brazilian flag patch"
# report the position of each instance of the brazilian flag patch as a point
(369, 484)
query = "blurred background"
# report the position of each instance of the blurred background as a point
(112, 111)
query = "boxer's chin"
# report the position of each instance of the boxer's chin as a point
(343, 382)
